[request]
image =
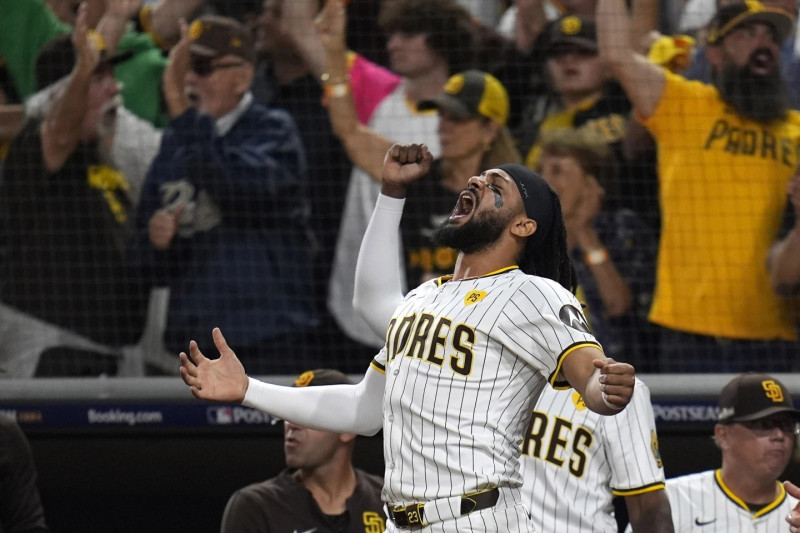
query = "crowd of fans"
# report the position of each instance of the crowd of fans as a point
(173, 166)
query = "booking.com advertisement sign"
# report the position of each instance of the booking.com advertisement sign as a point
(143, 416)
(85, 415)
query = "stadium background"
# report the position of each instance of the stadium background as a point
(139, 454)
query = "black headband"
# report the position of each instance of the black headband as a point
(537, 197)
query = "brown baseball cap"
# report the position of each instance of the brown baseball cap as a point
(573, 29)
(321, 376)
(752, 397)
(214, 36)
(732, 16)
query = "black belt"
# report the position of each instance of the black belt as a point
(412, 516)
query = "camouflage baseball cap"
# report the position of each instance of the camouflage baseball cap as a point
(214, 36)
(321, 376)
(752, 397)
(730, 17)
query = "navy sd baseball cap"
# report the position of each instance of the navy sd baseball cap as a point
(472, 93)
(730, 17)
(754, 396)
(321, 376)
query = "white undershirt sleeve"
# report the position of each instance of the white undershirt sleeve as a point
(379, 280)
(336, 408)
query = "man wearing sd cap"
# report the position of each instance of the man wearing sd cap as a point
(756, 434)
(319, 491)
(586, 98)
(222, 220)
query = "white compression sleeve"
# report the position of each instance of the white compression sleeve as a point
(379, 280)
(336, 408)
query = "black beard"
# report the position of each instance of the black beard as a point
(478, 234)
(760, 98)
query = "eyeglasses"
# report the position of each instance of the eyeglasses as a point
(766, 425)
(203, 67)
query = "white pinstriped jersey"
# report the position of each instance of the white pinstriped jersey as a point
(464, 362)
(701, 503)
(575, 460)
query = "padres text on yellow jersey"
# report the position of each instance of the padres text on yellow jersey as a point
(722, 187)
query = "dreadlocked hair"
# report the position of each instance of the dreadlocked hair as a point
(549, 258)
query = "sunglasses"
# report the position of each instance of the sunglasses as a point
(203, 66)
(766, 425)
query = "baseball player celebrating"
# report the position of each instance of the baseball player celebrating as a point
(756, 434)
(465, 358)
(574, 460)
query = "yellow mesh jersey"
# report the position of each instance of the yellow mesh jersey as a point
(723, 192)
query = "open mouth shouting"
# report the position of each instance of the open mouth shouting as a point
(465, 205)
(762, 62)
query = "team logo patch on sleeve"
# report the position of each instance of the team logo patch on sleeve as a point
(474, 297)
(573, 318)
(654, 448)
(577, 400)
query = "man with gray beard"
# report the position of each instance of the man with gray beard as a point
(725, 156)
(69, 301)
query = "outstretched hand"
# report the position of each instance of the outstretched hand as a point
(403, 165)
(616, 382)
(793, 518)
(221, 379)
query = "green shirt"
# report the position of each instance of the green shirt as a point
(27, 25)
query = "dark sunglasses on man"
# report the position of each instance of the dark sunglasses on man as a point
(786, 424)
(204, 66)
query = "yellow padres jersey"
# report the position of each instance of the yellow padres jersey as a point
(702, 503)
(575, 461)
(465, 362)
(722, 187)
